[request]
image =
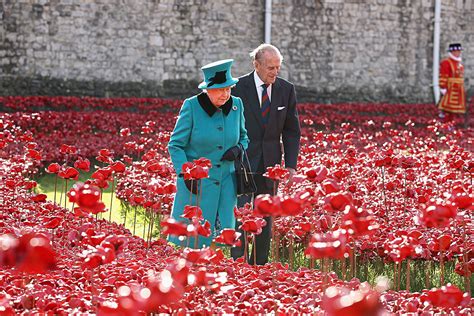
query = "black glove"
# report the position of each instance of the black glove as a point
(231, 154)
(192, 186)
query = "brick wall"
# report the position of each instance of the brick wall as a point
(334, 50)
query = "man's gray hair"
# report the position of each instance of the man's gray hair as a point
(257, 53)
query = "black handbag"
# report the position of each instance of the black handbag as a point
(243, 173)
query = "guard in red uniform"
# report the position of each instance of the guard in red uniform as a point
(451, 83)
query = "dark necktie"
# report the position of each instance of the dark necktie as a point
(265, 105)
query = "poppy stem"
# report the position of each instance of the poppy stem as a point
(343, 268)
(158, 215)
(196, 241)
(111, 198)
(199, 191)
(55, 187)
(441, 262)
(399, 275)
(61, 195)
(254, 248)
(198, 200)
(191, 192)
(150, 228)
(395, 286)
(427, 274)
(366, 269)
(291, 256)
(383, 190)
(351, 261)
(125, 215)
(277, 245)
(144, 224)
(405, 188)
(246, 244)
(408, 275)
(273, 248)
(326, 262)
(134, 218)
(65, 192)
(467, 279)
(355, 260)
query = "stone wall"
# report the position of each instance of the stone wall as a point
(335, 50)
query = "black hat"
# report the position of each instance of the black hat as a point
(454, 47)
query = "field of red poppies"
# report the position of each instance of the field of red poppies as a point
(382, 190)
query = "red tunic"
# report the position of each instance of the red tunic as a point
(451, 78)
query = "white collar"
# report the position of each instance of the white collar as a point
(459, 59)
(258, 81)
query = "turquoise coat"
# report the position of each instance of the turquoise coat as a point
(203, 131)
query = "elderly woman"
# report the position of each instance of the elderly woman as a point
(210, 125)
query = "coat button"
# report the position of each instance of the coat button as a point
(218, 165)
(216, 183)
(219, 147)
(220, 128)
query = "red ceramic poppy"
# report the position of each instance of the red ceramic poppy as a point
(229, 237)
(337, 202)
(172, 227)
(277, 173)
(52, 223)
(328, 245)
(253, 226)
(118, 167)
(317, 174)
(87, 197)
(82, 164)
(68, 149)
(267, 205)
(437, 214)
(192, 171)
(192, 212)
(447, 297)
(344, 301)
(204, 230)
(53, 168)
(69, 173)
(33, 154)
(31, 253)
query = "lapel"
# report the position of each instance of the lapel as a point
(254, 102)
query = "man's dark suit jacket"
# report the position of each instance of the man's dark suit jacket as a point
(283, 121)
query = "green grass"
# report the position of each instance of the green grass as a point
(46, 185)
(370, 270)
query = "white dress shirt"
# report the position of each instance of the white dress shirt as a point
(258, 86)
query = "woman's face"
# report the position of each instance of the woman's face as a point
(219, 96)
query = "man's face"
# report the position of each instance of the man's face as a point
(456, 53)
(268, 68)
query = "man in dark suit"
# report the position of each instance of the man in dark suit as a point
(270, 118)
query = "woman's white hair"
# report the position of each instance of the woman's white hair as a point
(257, 53)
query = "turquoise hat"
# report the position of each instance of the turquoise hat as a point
(217, 75)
